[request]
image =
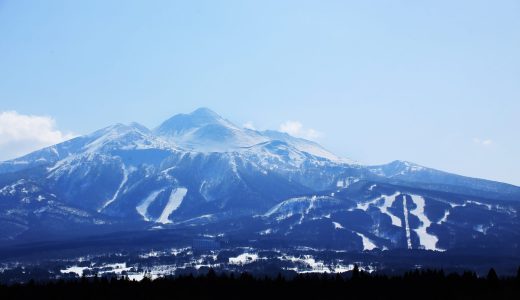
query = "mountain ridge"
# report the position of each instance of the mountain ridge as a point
(201, 169)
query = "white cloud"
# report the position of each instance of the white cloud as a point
(297, 129)
(249, 125)
(482, 142)
(22, 134)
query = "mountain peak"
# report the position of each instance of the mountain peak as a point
(206, 112)
(182, 123)
(206, 131)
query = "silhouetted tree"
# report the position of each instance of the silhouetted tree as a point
(492, 275)
(355, 272)
(211, 274)
(215, 285)
(279, 278)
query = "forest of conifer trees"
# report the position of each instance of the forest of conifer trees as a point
(418, 284)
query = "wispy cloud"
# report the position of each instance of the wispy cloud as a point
(483, 142)
(296, 128)
(21, 134)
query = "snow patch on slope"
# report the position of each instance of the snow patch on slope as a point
(174, 202)
(407, 225)
(337, 225)
(126, 172)
(367, 243)
(428, 241)
(388, 201)
(308, 210)
(142, 208)
(444, 218)
(243, 259)
(345, 183)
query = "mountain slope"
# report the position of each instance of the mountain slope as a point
(387, 216)
(201, 169)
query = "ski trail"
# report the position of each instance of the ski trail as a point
(428, 241)
(123, 182)
(174, 202)
(407, 226)
(142, 208)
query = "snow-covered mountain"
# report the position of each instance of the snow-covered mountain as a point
(385, 216)
(205, 131)
(201, 169)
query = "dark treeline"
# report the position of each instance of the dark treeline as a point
(427, 284)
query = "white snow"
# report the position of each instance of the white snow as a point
(488, 206)
(142, 208)
(306, 146)
(308, 264)
(208, 132)
(388, 201)
(317, 150)
(301, 205)
(337, 225)
(174, 202)
(266, 232)
(123, 182)
(152, 253)
(428, 241)
(345, 183)
(342, 268)
(371, 188)
(444, 218)
(407, 226)
(308, 210)
(364, 206)
(135, 276)
(117, 268)
(243, 259)
(74, 269)
(482, 228)
(367, 243)
(54, 150)
(312, 266)
(15, 187)
(410, 168)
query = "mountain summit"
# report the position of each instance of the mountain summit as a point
(182, 123)
(205, 131)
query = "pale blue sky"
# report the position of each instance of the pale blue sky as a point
(433, 82)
